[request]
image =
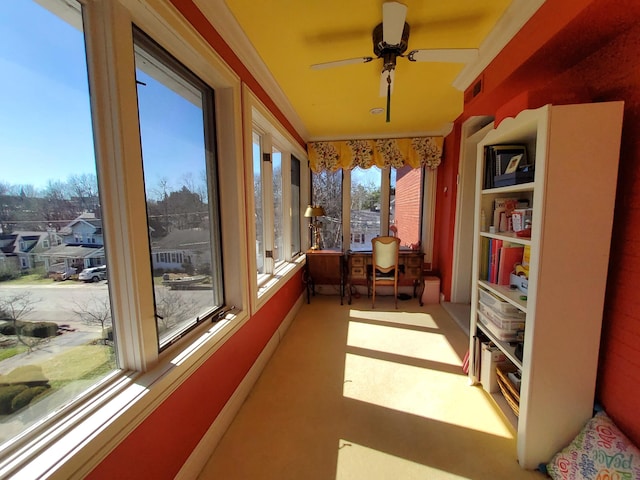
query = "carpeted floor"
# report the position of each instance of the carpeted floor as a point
(353, 393)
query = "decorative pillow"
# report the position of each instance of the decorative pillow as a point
(599, 452)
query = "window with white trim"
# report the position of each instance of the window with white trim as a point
(108, 347)
(176, 111)
(56, 343)
(277, 198)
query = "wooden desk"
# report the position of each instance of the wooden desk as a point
(410, 266)
(324, 267)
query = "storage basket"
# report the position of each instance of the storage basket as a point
(501, 334)
(497, 304)
(509, 391)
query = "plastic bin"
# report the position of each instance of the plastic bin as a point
(501, 320)
(500, 333)
(497, 304)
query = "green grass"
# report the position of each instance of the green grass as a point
(31, 279)
(11, 351)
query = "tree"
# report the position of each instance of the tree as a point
(95, 311)
(14, 308)
(327, 192)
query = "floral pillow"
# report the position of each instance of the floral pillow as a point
(600, 451)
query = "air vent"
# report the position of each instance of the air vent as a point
(473, 91)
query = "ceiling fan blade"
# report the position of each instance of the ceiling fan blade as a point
(340, 63)
(446, 55)
(393, 17)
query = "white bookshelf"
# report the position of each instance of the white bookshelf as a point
(576, 151)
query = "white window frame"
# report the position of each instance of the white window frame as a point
(257, 118)
(71, 442)
(429, 184)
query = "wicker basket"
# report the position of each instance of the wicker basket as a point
(509, 391)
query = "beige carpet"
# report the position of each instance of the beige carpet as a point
(353, 393)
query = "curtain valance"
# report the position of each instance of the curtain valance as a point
(393, 152)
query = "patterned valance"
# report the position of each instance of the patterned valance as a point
(393, 152)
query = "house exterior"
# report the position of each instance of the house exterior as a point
(23, 250)
(82, 245)
(182, 251)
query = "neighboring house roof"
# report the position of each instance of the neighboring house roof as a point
(8, 243)
(75, 251)
(21, 242)
(88, 218)
(193, 239)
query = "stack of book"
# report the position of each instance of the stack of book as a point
(499, 259)
(501, 160)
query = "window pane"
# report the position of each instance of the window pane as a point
(366, 186)
(257, 200)
(327, 192)
(405, 205)
(278, 220)
(295, 206)
(55, 340)
(175, 109)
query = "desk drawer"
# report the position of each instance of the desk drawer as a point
(357, 272)
(413, 273)
(357, 261)
(414, 261)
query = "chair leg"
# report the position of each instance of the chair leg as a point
(373, 295)
(396, 294)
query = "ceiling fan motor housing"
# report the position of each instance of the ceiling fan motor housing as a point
(389, 52)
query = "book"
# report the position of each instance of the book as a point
(509, 257)
(503, 209)
(484, 259)
(497, 157)
(496, 246)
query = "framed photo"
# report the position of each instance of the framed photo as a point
(513, 163)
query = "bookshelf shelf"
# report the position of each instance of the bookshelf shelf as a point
(573, 150)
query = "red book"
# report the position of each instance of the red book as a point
(509, 256)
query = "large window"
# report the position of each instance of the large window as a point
(327, 192)
(366, 189)
(295, 206)
(278, 207)
(56, 336)
(178, 152)
(376, 196)
(257, 199)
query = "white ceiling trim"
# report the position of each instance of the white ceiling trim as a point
(513, 19)
(218, 13)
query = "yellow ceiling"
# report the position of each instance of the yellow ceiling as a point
(291, 35)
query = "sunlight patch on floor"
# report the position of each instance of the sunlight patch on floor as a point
(424, 392)
(401, 317)
(402, 340)
(356, 462)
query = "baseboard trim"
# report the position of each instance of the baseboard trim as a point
(200, 455)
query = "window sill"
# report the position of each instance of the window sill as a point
(283, 274)
(76, 443)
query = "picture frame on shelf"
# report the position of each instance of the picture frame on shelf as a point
(513, 164)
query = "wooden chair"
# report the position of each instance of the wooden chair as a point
(384, 270)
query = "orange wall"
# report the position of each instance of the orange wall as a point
(576, 51)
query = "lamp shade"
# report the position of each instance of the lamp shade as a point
(314, 211)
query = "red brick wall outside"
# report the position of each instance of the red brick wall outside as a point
(407, 206)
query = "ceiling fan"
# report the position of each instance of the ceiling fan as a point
(390, 41)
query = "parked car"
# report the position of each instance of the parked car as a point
(93, 274)
(59, 272)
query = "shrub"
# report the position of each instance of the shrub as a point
(39, 329)
(25, 397)
(7, 394)
(30, 375)
(8, 328)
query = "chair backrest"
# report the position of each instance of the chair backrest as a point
(385, 252)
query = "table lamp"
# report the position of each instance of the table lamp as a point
(313, 212)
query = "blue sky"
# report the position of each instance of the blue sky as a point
(45, 119)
